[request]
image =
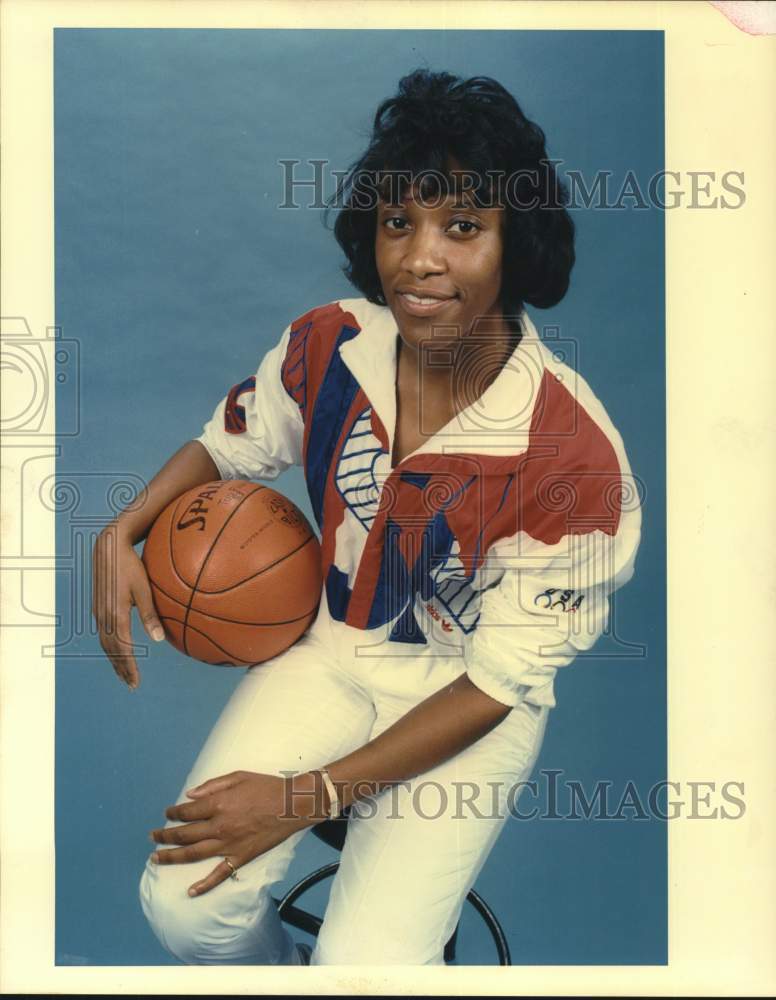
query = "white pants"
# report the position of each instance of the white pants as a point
(412, 852)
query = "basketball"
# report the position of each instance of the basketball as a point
(235, 572)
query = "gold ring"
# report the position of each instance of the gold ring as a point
(233, 869)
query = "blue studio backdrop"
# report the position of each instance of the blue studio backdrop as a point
(175, 271)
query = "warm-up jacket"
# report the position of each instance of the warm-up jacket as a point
(499, 540)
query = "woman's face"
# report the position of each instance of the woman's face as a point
(440, 266)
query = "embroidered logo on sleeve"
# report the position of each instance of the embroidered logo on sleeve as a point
(554, 597)
(447, 627)
(234, 414)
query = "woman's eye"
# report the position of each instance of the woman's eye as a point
(394, 218)
(469, 226)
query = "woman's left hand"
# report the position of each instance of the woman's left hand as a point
(239, 816)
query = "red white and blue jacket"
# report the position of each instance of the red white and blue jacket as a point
(499, 539)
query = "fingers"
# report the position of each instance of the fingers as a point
(219, 874)
(189, 833)
(218, 784)
(184, 855)
(111, 609)
(145, 608)
(202, 806)
(119, 580)
(116, 640)
(187, 811)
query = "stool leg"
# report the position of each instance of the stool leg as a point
(296, 916)
(299, 918)
(495, 928)
(310, 923)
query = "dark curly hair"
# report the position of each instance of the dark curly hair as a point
(436, 121)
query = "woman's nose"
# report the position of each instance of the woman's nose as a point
(425, 255)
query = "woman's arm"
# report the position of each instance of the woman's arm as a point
(442, 725)
(243, 814)
(190, 466)
(119, 579)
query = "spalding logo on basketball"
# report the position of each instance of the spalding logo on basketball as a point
(235, 572)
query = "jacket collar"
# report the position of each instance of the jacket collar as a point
(498, 423)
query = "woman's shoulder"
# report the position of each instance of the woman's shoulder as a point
(313, 339)
(579, 455)
(564, 400)
(333, 315)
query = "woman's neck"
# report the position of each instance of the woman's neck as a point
(456, 375)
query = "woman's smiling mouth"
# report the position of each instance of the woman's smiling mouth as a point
(423, 305)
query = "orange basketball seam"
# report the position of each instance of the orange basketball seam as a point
(247, 663)
(205, 560)
(239, 583)
(171, 546)
(232, 621)
(174, 516)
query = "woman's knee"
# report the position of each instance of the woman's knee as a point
(209, 929)
(180, 922)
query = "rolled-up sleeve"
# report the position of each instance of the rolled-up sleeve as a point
(256, 431)
(538, 617)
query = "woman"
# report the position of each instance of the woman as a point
(468, 488)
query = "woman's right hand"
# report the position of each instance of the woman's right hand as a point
(119, 581)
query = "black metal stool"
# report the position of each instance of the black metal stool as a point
(332, 832)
